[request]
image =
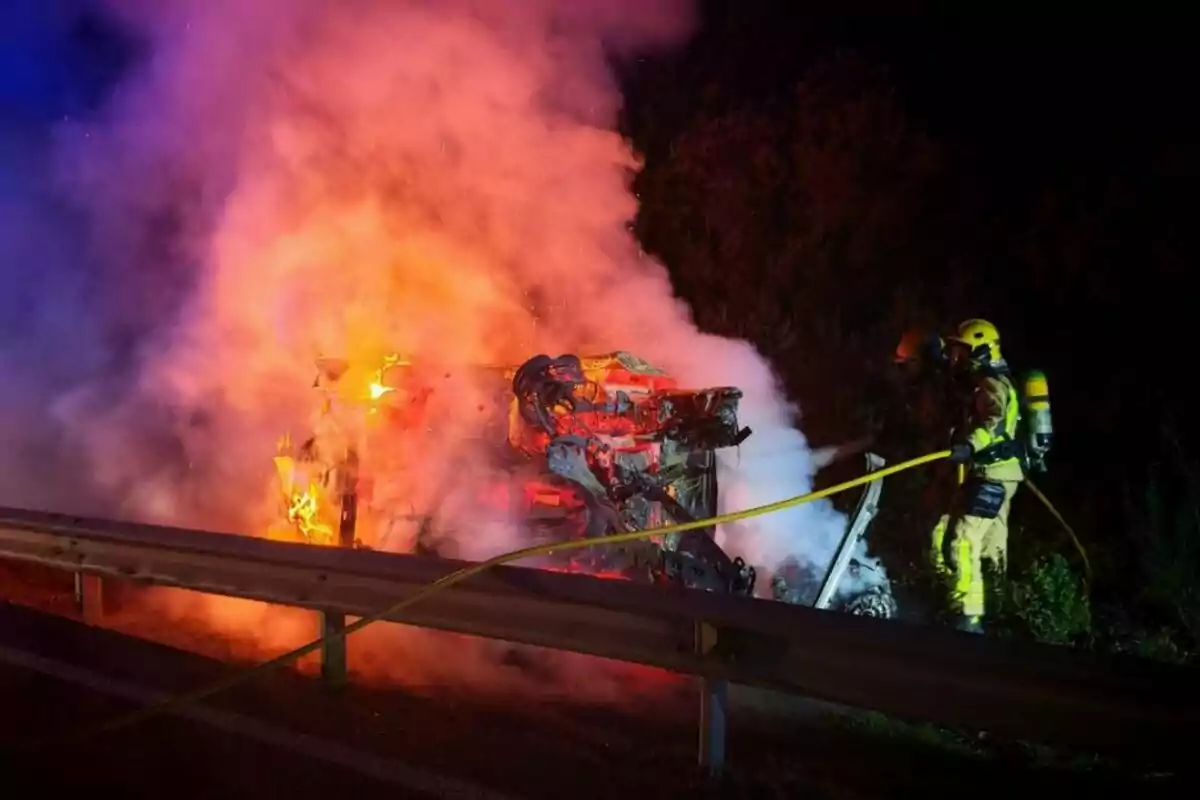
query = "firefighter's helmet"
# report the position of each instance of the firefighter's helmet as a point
(981, 340)
(909, 348)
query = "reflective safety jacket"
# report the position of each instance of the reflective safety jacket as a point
(996, 411)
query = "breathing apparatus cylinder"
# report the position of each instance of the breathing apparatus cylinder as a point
(1039, 428)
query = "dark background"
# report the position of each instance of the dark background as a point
(820, 182)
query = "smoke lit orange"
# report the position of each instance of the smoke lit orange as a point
(355, 179)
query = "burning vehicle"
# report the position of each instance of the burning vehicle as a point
(581, 447)
(577, 447)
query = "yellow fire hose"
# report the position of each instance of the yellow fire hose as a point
(180, 701)
(1087, 565)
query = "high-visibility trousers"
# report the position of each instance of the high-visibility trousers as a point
(973, 541)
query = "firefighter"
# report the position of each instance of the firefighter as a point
(989, 452)
(920, 351)
(916, 370)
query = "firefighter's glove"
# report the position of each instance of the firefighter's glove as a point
(961, 453)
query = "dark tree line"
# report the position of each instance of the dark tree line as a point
(823, 219)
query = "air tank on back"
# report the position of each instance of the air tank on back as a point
(1039, 427)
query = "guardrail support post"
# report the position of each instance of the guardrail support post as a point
(714, 701)
(89, 597)
(334, 669)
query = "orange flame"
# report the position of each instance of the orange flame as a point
(304, 511)
(378, 387)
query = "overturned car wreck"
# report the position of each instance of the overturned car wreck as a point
(634, 458)
(580, 447)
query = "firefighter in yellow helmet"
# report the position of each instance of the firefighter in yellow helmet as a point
(990, 451)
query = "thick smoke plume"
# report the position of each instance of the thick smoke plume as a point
(273, 181)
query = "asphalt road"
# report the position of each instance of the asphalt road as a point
(57, 676)
(290, 732)
(291, 736)
(176, 758)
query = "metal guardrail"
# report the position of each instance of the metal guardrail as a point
(1010, 689)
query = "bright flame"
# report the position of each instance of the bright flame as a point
(304, 511)
(378, 390)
